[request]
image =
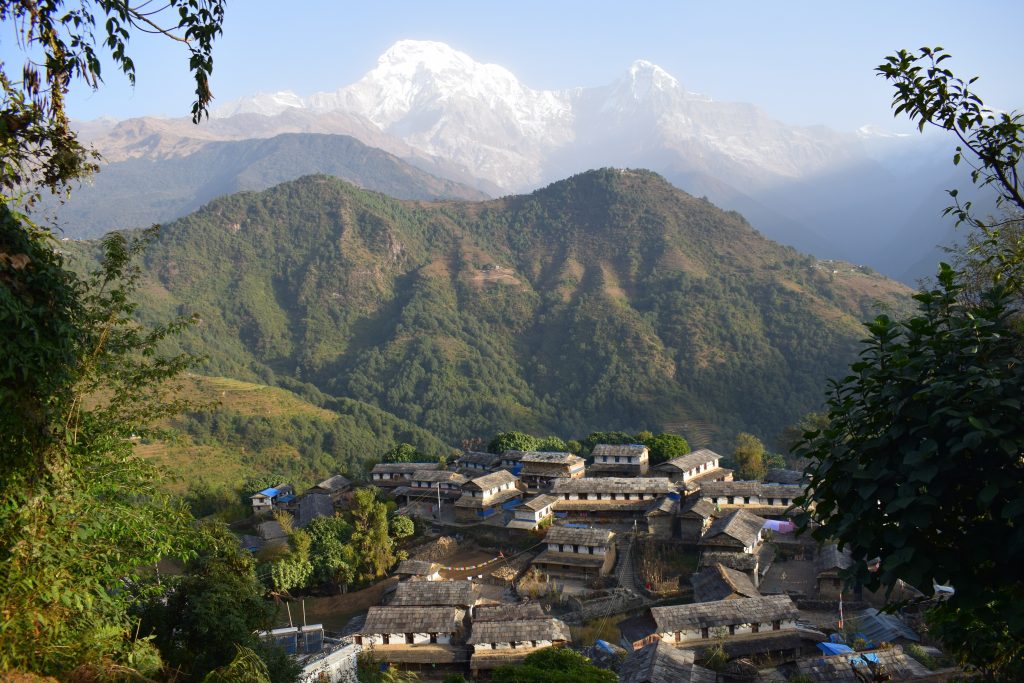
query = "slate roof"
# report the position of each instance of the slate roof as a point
(837, 669)
(660, 662)
(694, 506)
(663, 506)
(656, 485)
(694, 483)
(313, 505)
(630, 449)
(499, 498)
(713, 489)
(479, 458)
(719, 582)
(571, 536)
(742, 562)
(739, 524)
(538, 502)
(778, 475)
(569, 559)
(723, 613)
(490, 481)
(507, 612)
(434, 593)
(687, 462)
(390, 619)
(550, 458)
(336, 483)
(831, 560)
(544, 628)
(439, 475)
(416, 568)
(410, 467)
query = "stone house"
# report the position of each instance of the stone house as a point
(661, 517)
(747, 564)
(415, 635)
(692, 469)
(739, 531)
(613, 460)
(541, 468)
(484, 496)
(576, 553)
(461, 594)
(508, 641)
(612, 498)
(532, 511)
(766, 500)
(749, 625)
(659, 662)
(425, 485)
(418, 570)
(695, 517)
(336, 487)
(830, 565)
(392, 474)
(475, 463)
(274, 497)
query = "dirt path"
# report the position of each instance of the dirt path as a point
(334, 611)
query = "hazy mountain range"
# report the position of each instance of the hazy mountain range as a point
(845, 195)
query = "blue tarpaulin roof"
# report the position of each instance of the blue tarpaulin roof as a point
(269, 492)
(835, 648)
(286, 499)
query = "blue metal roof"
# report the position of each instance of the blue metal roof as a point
(269, 492)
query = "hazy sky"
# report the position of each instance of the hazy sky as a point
(803, 62)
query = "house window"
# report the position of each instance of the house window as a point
(386, 639)
(776, 625)
(678, 636)
(408, 639)
(433, 637)
(755, 627)
(746, 500)
(617, 459)
(732, 629)
(704, 632)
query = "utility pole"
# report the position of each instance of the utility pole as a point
(439, 500)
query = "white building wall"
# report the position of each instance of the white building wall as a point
(337, 666)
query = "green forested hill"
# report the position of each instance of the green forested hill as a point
(610, 300)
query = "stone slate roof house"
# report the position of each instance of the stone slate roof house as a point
(475, 463)
(719, 582)
(662, 517)
(745, 563)
(777, 475)
(508, 612)
(541, 468)
(693, 469)
(739, 531)
(415, 635)
(626, 460)
(611, 498)
(497, 643)
(749, 626)
(461, 594)
(695, 516)
(576, 553)
(483, 496)
(830, 564)
(391, 474)
(758, 497)
(335, 487)
(532, 511)
(311, 506)
(659, 662)
(418, 570)
(891, 664)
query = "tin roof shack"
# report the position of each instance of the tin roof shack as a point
(475, 463)
(830, 565)
(577, 553)
(270, 498)
(509, 641)
(751, 626)
(766, 500)
(694, 468)
(336, 487)
(484, 496)
(739, 531)
(659, 662)
(392, 474)
(532, 511)
(541, 468)
(415, 635)
(418, 570)
(614, 460)
(695, 517)
(719, 582)
(662, 516)
(461, 594)
(610, 498)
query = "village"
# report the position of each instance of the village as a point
(663, 573)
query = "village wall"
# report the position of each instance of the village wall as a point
(339, 665)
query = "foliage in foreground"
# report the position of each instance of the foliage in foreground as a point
(554, 665)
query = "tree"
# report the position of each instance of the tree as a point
(81, 514)
(512, 441)
(749, 457)
(370, 538)
(402, 527)
(554, 665)
(664, 447)
(403, 452)
(332, 556)
(920, 463)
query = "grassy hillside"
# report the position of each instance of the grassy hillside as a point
(610, 300)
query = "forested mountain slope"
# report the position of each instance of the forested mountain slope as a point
(610, 300)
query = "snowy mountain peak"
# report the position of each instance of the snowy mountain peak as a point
(647, 76)
(262, 103)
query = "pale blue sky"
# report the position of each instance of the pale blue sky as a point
(805, 62)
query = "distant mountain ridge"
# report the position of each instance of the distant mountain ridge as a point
(609, 300)
(845, 195)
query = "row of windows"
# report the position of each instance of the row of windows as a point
(754, 628)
